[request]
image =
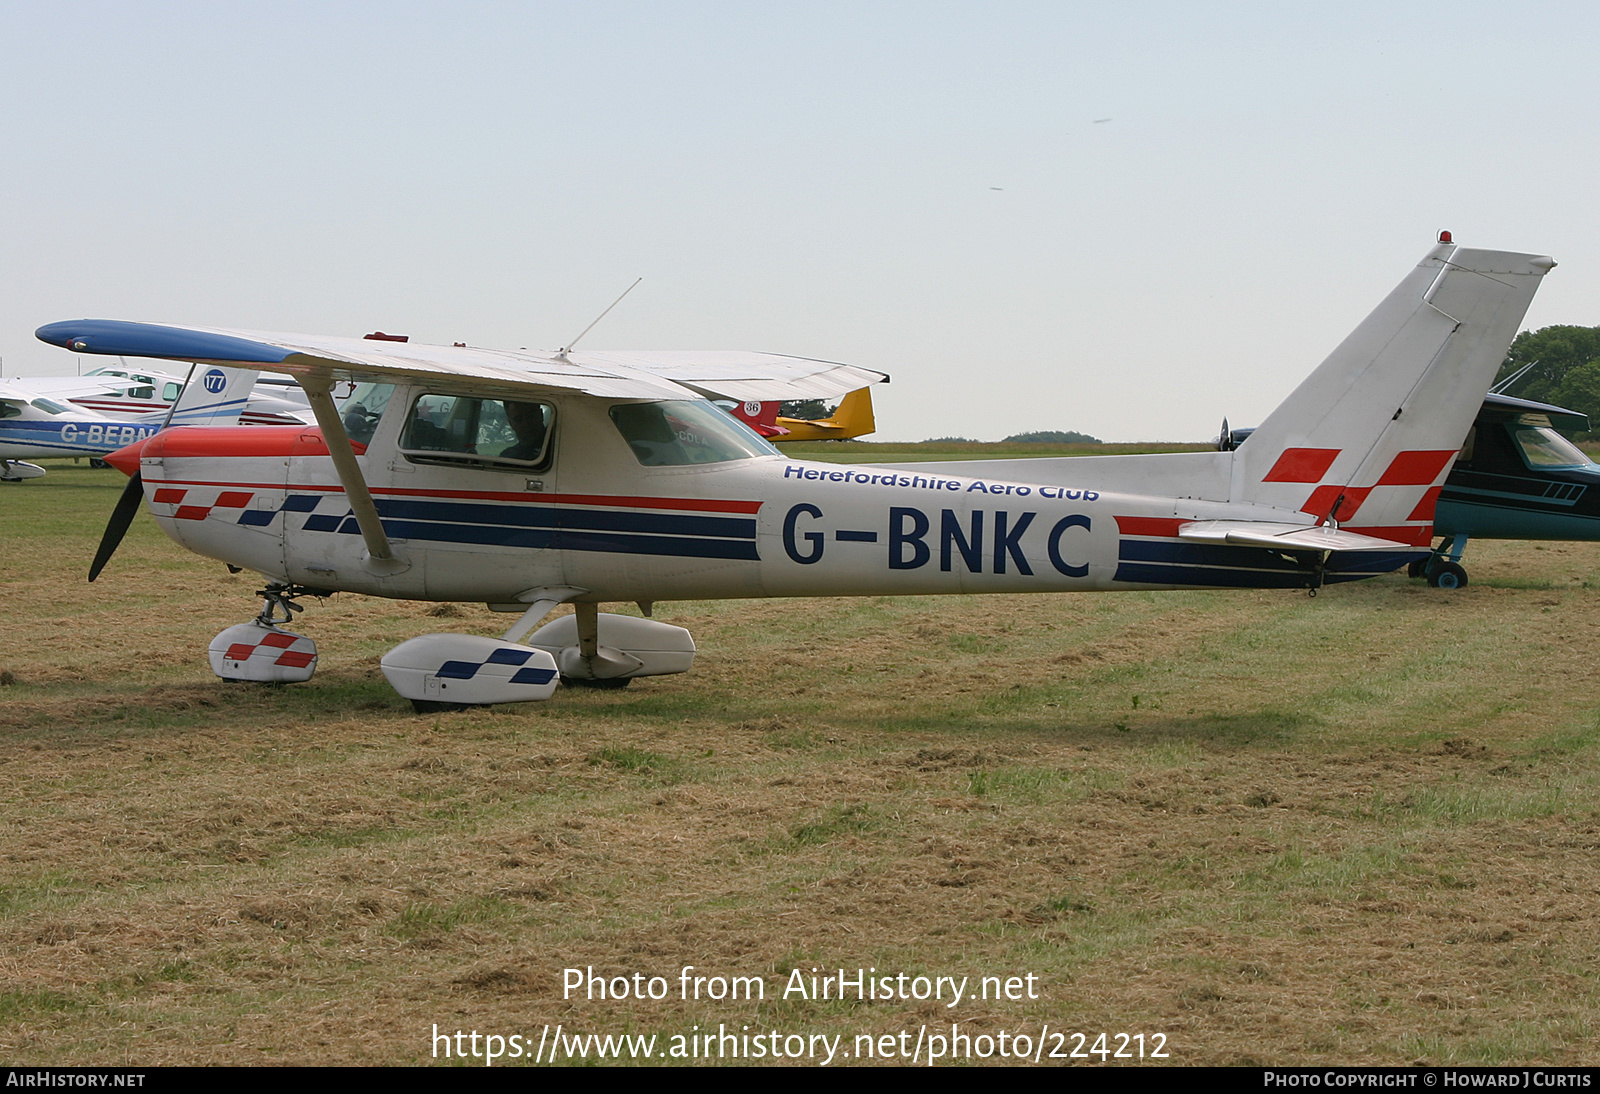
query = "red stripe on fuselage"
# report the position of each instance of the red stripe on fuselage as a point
(1150, 526)
(616, 501)
(625, 501)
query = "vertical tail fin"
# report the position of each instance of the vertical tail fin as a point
(214, 395)
(851, 418)
(854, 413)
(1369, 435)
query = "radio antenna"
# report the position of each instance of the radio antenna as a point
(602, 315)
(1500, 388)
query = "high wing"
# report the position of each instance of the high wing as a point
(67, 387)
(729, 374)
(616, 375)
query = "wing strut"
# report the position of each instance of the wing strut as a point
(380, 556)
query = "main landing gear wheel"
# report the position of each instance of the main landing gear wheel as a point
(1418, 568)
(1447, 575)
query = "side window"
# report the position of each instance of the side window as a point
(363, 410)
(487, 433)
(1542, 448)
(170, 392)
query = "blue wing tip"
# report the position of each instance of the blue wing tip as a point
(116, 338)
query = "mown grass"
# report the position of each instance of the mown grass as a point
(1352, 829)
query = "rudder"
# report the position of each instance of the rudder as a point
(1369, 435)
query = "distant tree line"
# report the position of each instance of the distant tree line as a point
(807, 410)
(1566, 368)
(1043, 436)
(1053, 436)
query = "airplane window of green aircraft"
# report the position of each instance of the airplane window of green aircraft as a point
(669, 434)
(1543, 449)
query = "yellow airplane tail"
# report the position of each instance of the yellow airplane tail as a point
(852, 418)
(854, 415)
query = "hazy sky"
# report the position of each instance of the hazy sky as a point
(929, 189)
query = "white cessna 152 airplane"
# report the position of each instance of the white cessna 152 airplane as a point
(524, 480)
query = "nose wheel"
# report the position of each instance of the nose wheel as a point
(261, 650)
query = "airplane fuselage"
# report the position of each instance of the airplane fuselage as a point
(268, 499)
(1516, 479)
(39, 435)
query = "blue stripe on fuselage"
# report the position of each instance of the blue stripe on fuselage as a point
(1165, 562)
(522, 516)
(1146, 574)
(541, 527)
(568, 539)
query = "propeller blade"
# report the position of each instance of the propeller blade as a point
(117, 526)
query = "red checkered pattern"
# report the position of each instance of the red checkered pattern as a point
(290, 658)
(1421, 467)
(227, 499)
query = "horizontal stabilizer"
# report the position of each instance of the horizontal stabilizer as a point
(1283, 537)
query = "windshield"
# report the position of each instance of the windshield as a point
(362, 412)
(1543, 449)
(669, 434)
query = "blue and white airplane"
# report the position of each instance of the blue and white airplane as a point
(35, 427)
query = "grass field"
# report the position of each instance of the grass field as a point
(1360, 828)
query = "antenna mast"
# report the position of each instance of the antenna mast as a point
(563, 352)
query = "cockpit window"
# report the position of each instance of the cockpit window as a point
(670, 434)
(127, 392)
(49, 407)
(1543, 449)
(505, 433)
(9, 409)
(363, 410)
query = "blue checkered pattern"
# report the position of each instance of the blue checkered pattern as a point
(505, 655)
